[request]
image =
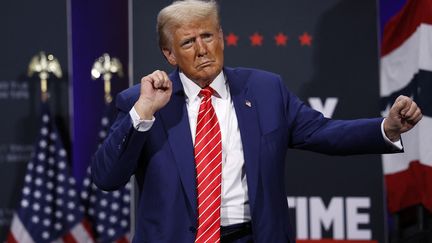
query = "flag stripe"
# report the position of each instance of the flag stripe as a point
(399, 67)
(10, 238)
(69, 238)
(405, 23)
(81, 232)
(18, 232)
(410, 187)
(123, 239)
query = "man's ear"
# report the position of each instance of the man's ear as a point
(169, 55)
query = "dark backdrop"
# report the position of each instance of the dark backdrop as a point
(338, 63)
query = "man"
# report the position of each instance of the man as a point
(207, 143)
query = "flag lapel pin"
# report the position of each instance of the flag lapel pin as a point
(248, 103)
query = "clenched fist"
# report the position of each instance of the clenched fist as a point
(156, 89)
(403, 116)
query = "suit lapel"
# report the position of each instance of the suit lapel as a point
(175, 118)
(176, 122)
(247, 117)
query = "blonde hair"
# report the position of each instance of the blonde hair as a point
(182, 12)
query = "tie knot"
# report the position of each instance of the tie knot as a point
(206, 92)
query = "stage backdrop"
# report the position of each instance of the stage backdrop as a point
(27, 27)
(326, 51)
(97, 27)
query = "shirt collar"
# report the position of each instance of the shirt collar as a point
(192, 89)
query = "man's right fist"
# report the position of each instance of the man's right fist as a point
(156, 89)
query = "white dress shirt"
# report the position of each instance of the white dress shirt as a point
(234, 198)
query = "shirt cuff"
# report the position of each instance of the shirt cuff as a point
(397, 144)
(139, 124)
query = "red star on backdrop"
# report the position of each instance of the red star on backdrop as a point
(256, 39)
(231, 39)
(305, 39)
(281, 39)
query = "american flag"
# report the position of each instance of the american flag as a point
(49, 210)
(406, 68)
(108, 212)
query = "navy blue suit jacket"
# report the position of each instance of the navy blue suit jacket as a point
(162, 158)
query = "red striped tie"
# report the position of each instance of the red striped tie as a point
(208, 163)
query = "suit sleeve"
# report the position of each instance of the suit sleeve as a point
(117, 158)
(310, 130)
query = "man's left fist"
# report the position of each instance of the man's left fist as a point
(403, 115)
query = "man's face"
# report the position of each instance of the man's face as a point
(197, 48)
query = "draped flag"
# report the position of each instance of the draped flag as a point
(108, 212)
(406, 68)
(49, 209)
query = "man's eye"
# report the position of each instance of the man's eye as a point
(187, 43)
(207, 37)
